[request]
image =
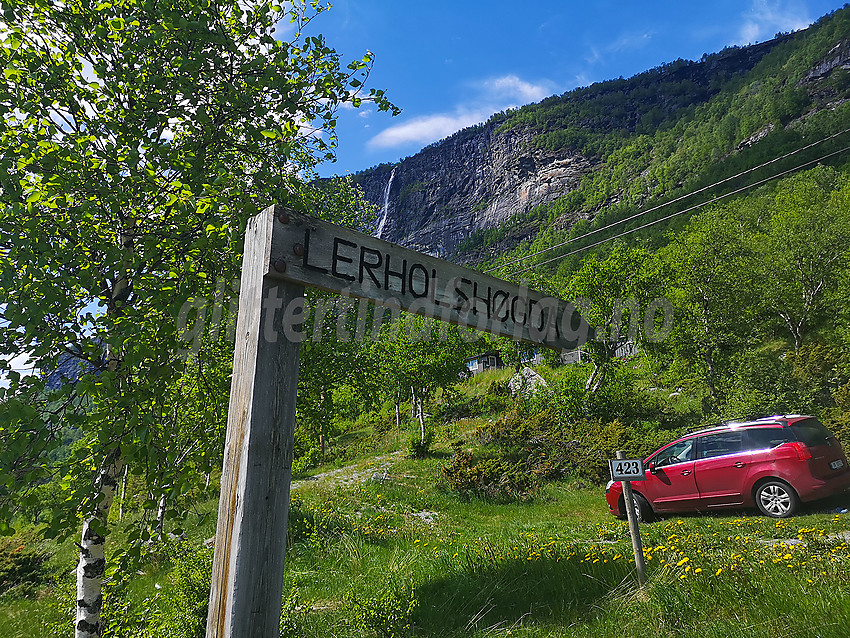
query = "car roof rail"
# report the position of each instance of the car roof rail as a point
(759, 416)
(750, 418)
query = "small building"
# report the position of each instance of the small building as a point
(484, 361)
(570, 357)
(625, 348)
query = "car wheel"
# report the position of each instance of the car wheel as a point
(777, 499)
(642, 508)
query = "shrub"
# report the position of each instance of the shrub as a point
(492, 478)
(381, 422)
(453, 406)
(527, 447)
(417, 446)
(310, 459)
(837, 419)
(183, 612)
(493, 404)
(595, 442)
(293, 616)
(389, 614)
(22, 563)
(764, 382)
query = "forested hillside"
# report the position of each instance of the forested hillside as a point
(654, 140)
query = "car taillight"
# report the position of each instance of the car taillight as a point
(803, 452)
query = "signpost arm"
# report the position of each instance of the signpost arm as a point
(250, 541)
(637, 545)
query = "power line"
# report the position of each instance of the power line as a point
(672, 201)
(681, 212)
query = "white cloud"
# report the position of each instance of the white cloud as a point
(630, 42)
(512, 88)
(593, 56)
(426, 129)
(491, 96)
(765, 18)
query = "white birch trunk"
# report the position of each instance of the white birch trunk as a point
(160, 516)
(92, 563)
(421, 416)
(123, 494)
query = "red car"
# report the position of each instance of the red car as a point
(773, 463)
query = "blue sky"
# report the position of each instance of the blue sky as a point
(452, 64)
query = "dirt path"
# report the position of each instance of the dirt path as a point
(352, 474)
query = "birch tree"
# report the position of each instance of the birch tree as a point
(418, 355)
(611, 294)
(713, 286)
(137, 138)
(805, 247)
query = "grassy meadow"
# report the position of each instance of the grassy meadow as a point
(379, 545)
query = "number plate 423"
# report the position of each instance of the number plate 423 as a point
(627, 470)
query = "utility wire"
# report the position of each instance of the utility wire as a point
(672, 201)
(681, 212)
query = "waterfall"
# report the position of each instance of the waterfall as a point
(386, 207)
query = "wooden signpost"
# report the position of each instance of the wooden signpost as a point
(285, 251)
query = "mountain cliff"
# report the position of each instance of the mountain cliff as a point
(570, 156)
(477, 178)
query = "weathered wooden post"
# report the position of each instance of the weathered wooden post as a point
(250, 540)
(284, 251)
(629, 470)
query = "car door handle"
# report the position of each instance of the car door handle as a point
(739, 464)
(685, 472)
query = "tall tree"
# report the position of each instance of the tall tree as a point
(333, 356)
(713, 293)
(137, 138)
(417, 355)
(805, 247)
(611, 294)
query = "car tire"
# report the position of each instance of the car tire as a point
(642, 508)
(777, 499)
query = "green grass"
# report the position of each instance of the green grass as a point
(561, 566)
(367, 561)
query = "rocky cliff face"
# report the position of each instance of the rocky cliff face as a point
(477, 178)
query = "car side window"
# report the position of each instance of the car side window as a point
(676, 453)
(767, 438)
(720, 444)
